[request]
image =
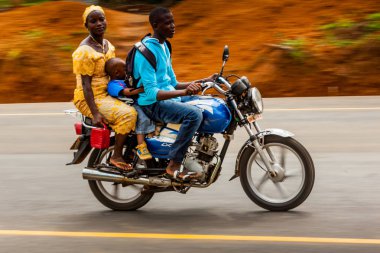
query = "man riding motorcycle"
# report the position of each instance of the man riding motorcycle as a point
(163, 97)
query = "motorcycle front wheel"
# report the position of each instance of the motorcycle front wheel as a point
(292, 182)
(117, 196)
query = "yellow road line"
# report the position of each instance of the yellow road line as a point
(192, 237)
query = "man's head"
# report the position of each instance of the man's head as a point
(162, 22)
(115, 68)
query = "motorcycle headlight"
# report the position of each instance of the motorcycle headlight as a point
(255, 100)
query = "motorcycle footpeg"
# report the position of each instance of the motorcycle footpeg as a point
(130, 174)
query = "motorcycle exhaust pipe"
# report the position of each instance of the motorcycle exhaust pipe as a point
(91, 174)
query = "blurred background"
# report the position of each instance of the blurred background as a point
(286, 48)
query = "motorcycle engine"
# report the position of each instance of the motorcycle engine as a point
(207, 148)
(200, 159)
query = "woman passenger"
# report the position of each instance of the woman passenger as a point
(90, 96)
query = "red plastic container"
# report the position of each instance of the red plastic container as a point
(100, 137)
(78, 128)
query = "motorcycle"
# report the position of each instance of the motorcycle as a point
(275, 170)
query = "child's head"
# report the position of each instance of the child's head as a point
(115, 68)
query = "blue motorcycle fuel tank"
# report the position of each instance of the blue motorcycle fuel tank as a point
(216, 115)
(216, 118)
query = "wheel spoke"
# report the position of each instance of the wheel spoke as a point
(116, 190)
(291, 173)
(281, 189)
(263, 179)
(135, 187)
(282, 159)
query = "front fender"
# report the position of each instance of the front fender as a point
(275, 131)
(248, 144)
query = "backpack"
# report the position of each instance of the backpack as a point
(130, 80)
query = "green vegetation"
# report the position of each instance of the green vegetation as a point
(373, 22)
(67, 47)
(373, 26)
(373, 16)
(14, 54)
(342, 43)
(297, 52)
(5, 4)
(33, 34)
(32, 2)
(14, 3)
(343, 23)
(79, 33)
(360, 30)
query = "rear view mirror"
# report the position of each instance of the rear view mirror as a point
(226, 53)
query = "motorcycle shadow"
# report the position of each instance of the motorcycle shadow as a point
(185, 220)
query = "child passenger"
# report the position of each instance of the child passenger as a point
(115, 68)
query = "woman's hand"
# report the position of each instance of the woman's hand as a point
(98, 119)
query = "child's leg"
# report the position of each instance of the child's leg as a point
(140, 138)
(150, 135)
(144, 125)
(141, 149)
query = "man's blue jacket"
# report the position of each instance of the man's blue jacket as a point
(153, 81)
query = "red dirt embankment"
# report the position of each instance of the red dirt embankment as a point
(320, 47)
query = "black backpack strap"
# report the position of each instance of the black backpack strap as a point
(147, 54)
(170, 47)
(146, 35)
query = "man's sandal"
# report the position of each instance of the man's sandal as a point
(183, 175)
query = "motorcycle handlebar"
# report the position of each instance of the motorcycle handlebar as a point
(224, 81)
(208, 85)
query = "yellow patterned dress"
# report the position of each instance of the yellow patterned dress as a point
(86, 61)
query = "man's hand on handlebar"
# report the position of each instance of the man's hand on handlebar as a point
(193, 88)
(210, 78)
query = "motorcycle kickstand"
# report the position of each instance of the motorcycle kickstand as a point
(183, 190)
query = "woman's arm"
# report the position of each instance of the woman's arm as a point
(89, 97)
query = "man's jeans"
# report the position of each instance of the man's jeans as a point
(168, 111)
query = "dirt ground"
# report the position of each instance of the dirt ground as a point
(286, 48)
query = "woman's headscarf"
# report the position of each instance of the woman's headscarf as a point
(91, 9)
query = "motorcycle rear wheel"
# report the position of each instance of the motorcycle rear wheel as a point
(116, 196)
(290, 187)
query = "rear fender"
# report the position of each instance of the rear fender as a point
(248, 144)
(84, 148)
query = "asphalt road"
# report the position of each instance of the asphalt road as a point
(39, 193)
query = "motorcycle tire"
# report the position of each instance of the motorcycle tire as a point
(106, 199)
(304, 187)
